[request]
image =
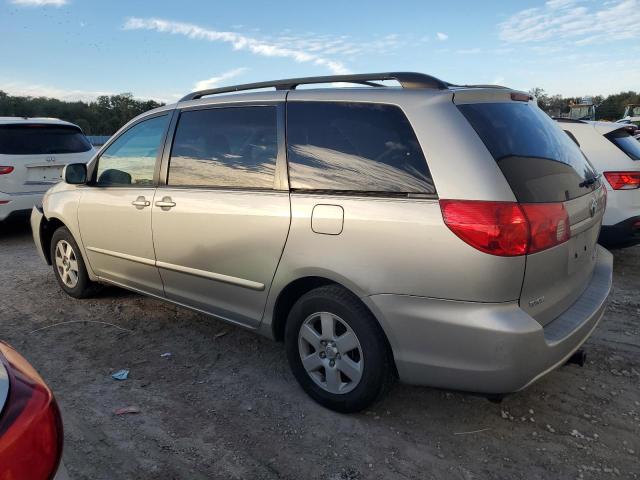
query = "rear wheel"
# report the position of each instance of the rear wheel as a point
(337, 351)
(68, 265)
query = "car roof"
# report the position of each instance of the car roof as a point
(601, 127)
(32, 120)
(407, 81)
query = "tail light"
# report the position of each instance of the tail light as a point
(507, 229)
(498, 228)
(30, 424)
(5, 170)
(548, 225)
(623, 180)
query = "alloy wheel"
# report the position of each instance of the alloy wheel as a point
(67, 263)
(330, 352)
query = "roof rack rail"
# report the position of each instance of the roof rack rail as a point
(407, 80)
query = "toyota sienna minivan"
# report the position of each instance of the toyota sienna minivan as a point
(442, 234)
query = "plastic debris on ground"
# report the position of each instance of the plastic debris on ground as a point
(126, 410)
(121, 375)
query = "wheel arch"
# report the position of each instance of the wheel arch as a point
(47, 227)
(295, 289)
(288, 296)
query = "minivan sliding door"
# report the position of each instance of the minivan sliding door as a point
(221, 221)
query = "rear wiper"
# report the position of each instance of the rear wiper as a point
(589, 181)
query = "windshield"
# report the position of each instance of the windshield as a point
(540, 162)
(40, 139)
(626, 143)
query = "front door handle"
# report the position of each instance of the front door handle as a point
(166, 203)
(140, 202)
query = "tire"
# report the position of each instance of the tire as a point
(321, 327)
(68, 265)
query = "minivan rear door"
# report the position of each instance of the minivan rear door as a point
(38, 152)
(543, 165)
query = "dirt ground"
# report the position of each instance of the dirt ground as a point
(224, 405)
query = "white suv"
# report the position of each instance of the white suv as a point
(33, 152)
(615, 153)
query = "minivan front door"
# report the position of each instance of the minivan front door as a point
(221, 222)
(115, 209)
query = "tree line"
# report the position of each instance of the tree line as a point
(103, 116)
(108, 113)
(607, 108)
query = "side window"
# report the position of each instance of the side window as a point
(232, 147)
(356, 147)
(131, 159)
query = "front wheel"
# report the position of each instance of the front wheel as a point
(337, 350)
(68, 265)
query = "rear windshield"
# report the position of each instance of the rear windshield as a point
(540, 162)
(37, 139)
(626, 143)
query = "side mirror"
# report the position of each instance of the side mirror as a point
(75, 173)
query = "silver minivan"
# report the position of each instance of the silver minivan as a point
(442, 234)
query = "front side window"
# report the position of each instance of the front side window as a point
(131, 158)
(233, 147)
(354, 147)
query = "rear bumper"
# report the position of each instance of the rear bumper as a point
(622, 234)
(484, 347)
(18, 203)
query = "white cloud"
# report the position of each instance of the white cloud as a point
(442, 36)
(25, 89)
(215, 81)
(39, 90)
(469, 51)
(568, 20)
(40, 3)
(238, 41)
(556, 4)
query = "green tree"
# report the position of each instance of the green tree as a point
(103, 116)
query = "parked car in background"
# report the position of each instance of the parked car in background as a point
(444, 234)
(615, 153)
(31, 434)
(33, 152)
(631, 114)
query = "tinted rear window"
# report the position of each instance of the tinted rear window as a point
(540, 162)
(354, 147)
(626, 143)
(41, 140)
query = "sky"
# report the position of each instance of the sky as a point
(79, 49)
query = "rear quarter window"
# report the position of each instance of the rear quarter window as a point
(39, 139)
(539, 161)
(354, 147)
